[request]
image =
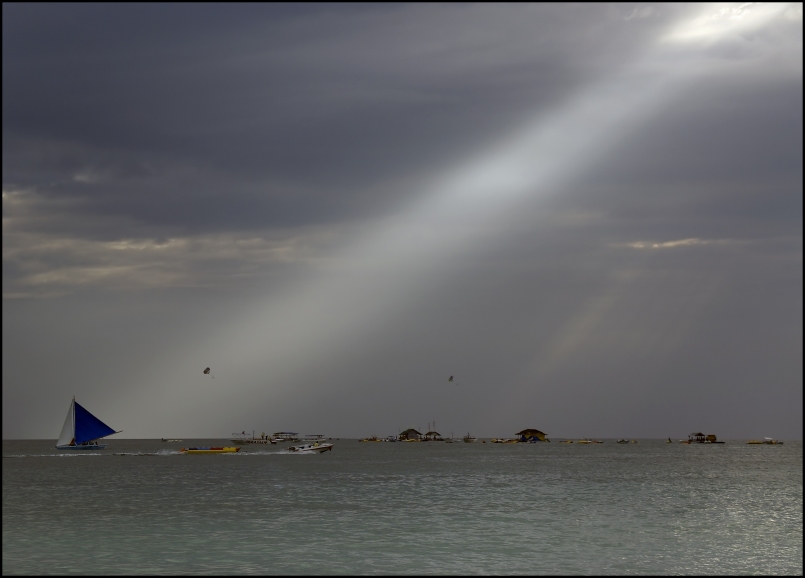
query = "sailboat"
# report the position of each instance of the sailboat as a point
(81, 430)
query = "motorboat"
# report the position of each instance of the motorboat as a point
(314, 448)
(210, 450)
(468, 439)
(82, 430)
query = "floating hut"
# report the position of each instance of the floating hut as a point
(531, 435)
(700, 438)
(410, 434)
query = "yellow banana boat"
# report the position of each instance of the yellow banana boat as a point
(209, 450)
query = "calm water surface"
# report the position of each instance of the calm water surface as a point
(140, 507)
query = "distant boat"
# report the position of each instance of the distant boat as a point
(623, 441)
(81, 429)
(470, 439)
(243, 438)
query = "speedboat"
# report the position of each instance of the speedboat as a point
(209, 450)
(315, 447)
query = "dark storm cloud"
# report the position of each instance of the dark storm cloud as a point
(165, 104)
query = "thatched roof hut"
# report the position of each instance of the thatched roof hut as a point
(433, 436)
(410, 434)
(532, 435)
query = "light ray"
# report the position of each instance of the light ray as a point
(381, 273)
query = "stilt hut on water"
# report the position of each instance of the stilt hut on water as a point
(532, 435)
(410, 434)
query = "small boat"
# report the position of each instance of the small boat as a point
(81, 430)
(209, 450)
(766, 441)
(584, 441)
(316, 447)
(566, 442)
(669, 441)
(623, 441)
(164, 440)
(468, 439)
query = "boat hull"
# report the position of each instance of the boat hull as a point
(81, 448)
(311, 449)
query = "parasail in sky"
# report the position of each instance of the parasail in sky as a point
(451, 378)
(207, 371)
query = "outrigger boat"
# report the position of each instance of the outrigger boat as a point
(315, 447)
(766, 441)
(81, 430)
(209, 450)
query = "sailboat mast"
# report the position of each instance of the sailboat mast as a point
(72, 407)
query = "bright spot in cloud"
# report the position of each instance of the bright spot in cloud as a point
(717, 21)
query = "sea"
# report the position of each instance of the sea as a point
(143, 507)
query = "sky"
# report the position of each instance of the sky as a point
(589, 214)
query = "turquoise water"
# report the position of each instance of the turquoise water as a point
(140, 507)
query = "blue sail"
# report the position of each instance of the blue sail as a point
(88, 427)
